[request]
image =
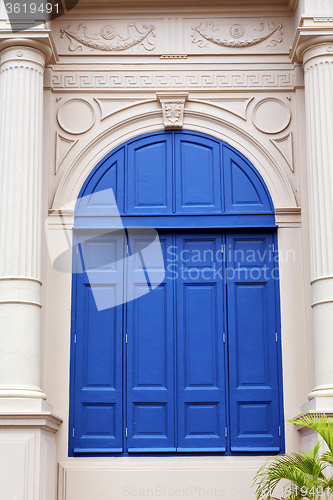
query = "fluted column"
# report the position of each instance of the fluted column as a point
(21, 134)
(318, 68)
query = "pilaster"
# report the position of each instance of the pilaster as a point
(27, 424)
(21, 139)
(314, 47)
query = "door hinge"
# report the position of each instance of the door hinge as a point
(77, 249)
(126, 338)
(276, 336)
(224, 338)
(226, 432)
(126, 432)
(280, 431)
(75, 339)
(73, 432)
(127, 249)
(273, 248)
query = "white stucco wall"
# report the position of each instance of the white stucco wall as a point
(226, 86)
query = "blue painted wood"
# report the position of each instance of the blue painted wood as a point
(177, 172)
(200, 351)
(149, 178)
(180, 221)
(173, 396)
(98, 366)
(253, 352)
(198, 174)
(150, 355)
(244, 189)
(108, 174)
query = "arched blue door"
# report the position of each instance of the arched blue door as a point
(194, 364)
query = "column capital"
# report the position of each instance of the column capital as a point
(310, 34)
(41, 41)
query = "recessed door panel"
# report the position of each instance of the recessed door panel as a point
(200, 351)
(253, 354)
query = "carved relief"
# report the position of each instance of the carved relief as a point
(271, 115)
(76, 116)
(285, 146)
(208, 32)
(111, 105)
(173, 106)
(235, 105)
(102, 40)
(63, 147)
(237, 31)
(182, 80)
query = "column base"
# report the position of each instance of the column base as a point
(321, 391)
(17, 392)
(309, 438)
(28, 449)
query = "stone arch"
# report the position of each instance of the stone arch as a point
(148, 119)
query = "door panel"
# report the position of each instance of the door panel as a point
(150, 356)
(98, 367)
(176, 381)
(253, 361)
(200, 351)
(198, 175)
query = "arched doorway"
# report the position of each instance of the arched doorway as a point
(193, 366)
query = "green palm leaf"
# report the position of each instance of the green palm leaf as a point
(304, 472)
(320, 423)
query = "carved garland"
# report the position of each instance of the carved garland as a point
(206, 31)
(134, 38)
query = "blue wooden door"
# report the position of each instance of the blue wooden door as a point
(98, 345)
(188, 363)
(200, 329)
(253, 343)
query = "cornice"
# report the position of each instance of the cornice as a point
(38, 39)
(308, 36)
(46, 420)
(243, 7)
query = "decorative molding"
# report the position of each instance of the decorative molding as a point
(63, 147)
(182, 80)
(288, 216)
(235, 105)
(323, 19)
(173, 56)
(148, 119)
(271, 115)
(285, 146)
(173, 106)
(44, 420)
(208, 32)
(102, 41)
(111, 105)
(76, 116)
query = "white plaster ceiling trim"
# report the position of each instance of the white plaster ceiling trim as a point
(149, 120)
